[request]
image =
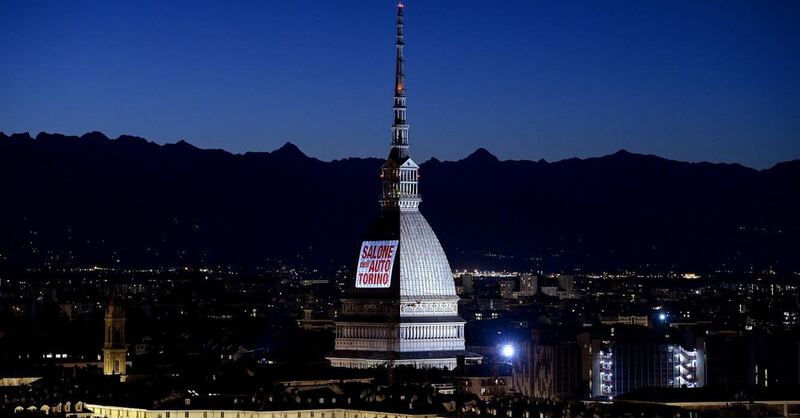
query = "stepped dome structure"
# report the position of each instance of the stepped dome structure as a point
(401, 307)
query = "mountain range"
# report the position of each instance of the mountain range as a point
(91, 200)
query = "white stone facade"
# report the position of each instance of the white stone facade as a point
(110, 411)
(419, 324)
(415, 320)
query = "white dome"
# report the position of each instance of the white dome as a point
(424, 269)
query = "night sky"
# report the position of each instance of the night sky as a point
(689, 80)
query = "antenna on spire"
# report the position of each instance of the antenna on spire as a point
(400, 126)
(399, 81)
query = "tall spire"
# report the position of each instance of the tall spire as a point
(399, 173)
(400, 127)
(399, 82)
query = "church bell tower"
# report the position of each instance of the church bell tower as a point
(114, 351)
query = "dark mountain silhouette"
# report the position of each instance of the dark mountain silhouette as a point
(93, 200)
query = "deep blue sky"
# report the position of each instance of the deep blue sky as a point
(689, 80)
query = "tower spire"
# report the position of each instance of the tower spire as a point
(399, 173)
(400, 127)
(399, 82)
(114, 349)
(415, 306)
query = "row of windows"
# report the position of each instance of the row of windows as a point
(403, 189)
(428, 331)
(410, 333)
(401, 135)
(112, 412)
(361, 332)
(403, 174)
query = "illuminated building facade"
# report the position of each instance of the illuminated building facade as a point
(528, 284)
(604, 365)
(401, 308)
(114, 351)
(114, 411)
(621, 367)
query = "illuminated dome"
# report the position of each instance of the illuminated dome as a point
(420, 269)
(424, 269)
(401, 307)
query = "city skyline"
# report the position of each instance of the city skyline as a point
(161, 281)
(693, 82)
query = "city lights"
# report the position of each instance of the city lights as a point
(145, 278)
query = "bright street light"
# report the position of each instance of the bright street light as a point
(507, 350)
